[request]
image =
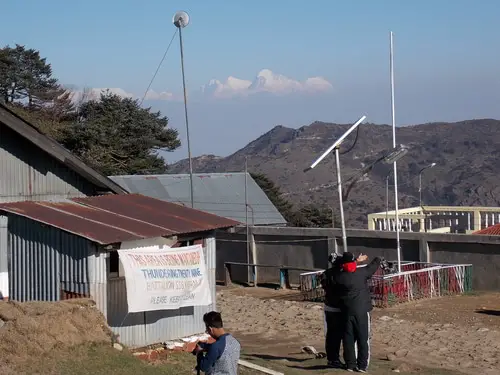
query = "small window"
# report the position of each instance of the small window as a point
(114, 264)
(190, 242)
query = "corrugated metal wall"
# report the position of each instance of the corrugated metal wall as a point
(30, 174)
(4, 265)
(45, 261)
(141, 329)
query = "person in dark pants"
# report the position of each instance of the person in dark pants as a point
(334, 324)
(355, 305)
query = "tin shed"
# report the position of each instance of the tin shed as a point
(61, 250)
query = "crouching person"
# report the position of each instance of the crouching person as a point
(356, 305)
(220, 357)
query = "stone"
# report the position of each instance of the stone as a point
(391, 357)
(118, 346)
(401, 353)
(385, 318)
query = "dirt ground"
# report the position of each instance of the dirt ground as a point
(459, 333)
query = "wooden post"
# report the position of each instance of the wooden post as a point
(227, 275)
(254, 257)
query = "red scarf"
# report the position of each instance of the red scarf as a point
(349, 267)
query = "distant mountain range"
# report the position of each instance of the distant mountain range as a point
(467, 154)
(265, 81)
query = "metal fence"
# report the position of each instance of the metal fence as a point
(416, 281)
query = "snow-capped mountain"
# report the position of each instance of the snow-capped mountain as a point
(265, 81)
(83, 95)
(230, 87)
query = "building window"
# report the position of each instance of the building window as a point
(114, 264)
(194, 241)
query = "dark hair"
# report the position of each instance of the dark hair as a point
(213, 319)
(348, 257)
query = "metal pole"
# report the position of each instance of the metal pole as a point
(420, 187)
(187, 122)
(341, 205)
(393, 110)
(387, 202)
(246, 215)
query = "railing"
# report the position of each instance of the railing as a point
(283, 272)
(432, 218)
(416, 281)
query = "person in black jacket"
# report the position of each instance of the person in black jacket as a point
(356, 305)
(334, 324)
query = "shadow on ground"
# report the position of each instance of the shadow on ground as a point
(489, 312)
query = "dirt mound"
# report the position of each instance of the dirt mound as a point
(30, 330)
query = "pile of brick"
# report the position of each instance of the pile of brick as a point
(161, 351)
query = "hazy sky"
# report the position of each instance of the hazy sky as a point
(447, 59)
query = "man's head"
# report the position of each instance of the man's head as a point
(213, 324)
(349, 262)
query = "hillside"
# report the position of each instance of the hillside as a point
(466, 153)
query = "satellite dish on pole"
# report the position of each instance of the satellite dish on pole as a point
(181, 19)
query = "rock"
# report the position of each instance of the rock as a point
(401, 353)
(117, 346)
(317, 307)
(385, 318)
(2, 323)
(465, 364)
(483, 330)
(391, 357)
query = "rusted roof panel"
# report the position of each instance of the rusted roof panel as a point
(118, 218)
(79, 225)
(177, 218)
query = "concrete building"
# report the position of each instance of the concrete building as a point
(221, 194)
(437, 219)
(68, 249)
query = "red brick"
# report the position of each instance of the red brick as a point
(153, 355)
(189, 347)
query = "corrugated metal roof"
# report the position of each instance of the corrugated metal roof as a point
(56, 150)
(117, 218)
(221, 194)
(494, 230)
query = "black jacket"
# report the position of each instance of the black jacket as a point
(332, 292)
(354, 294)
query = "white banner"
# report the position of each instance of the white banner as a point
(165, 278)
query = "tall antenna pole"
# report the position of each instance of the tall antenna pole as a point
(181, 20)
(246, 212)
(393, 110)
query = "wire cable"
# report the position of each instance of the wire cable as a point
(159, 66)
(354, 143)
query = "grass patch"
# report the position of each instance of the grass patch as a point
(104, 360)
(101, 359)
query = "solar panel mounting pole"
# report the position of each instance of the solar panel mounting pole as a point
(393, 113)
(335, 147)
(181, 20)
